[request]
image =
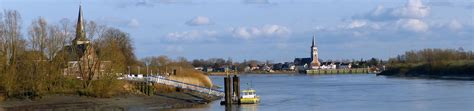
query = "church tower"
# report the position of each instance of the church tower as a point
(80, 34)
(314, 55)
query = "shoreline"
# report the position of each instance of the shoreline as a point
(446, 70)
(159, 101)
(461, 78)
(255, 72)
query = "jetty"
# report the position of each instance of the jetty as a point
(178, 84)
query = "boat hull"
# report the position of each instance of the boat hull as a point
(249, 100)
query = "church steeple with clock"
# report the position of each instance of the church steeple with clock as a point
(314, 55)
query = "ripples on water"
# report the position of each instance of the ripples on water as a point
(351, 92)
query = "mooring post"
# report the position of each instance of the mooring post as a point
(225, 90)
(227, 95)
(229, 83)
(236, 85)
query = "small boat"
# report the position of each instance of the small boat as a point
(249, 97)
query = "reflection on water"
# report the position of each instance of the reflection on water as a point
(350, 92)
(249, 107)
(242, 107)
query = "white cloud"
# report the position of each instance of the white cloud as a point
(356, 24)
(115, 21)
(413, 9)
(376, 26)
(133, 23)
(440, 3)
(378, 11)
(414, 25)
(192, 35)
(199, 20)
(264, 31)
(408, 17)
(455, 25)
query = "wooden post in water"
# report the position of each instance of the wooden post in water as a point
(229, 83)
(236, 85)
(227, 90)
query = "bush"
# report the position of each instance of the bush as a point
(105, 87)
(440, 68)
(159, 88)
(192, 76)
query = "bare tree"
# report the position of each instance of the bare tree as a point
(38, 36)
(163, 60)
(12, 45)
(35, 64)
(55, 41)
(3, 44)
(94, 30)
(66, 29)
(13, 34)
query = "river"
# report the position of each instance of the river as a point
(354, 92)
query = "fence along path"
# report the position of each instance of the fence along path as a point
(182, 85)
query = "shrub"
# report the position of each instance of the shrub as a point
(106, 86)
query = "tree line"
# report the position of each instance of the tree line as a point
(434, 63)
(431, 55)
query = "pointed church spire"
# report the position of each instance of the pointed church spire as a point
(80, 34)
(314, 55)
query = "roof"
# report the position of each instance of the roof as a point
(345, 63)
(80, 34)
(74, 52)
(302, 61)
(326, 63)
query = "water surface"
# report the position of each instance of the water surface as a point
(357, 92)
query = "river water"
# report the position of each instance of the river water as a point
(349, 92)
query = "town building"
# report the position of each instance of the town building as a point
(328, 65)
(309, 63)
(82, 60)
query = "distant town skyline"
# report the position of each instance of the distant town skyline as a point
(268, 29)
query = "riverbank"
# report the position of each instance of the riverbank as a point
(159, 101)
(339, 71)
(453, 70)
(252, 72)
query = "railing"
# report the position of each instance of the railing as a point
(179, 84)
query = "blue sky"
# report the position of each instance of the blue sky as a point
(277, 30)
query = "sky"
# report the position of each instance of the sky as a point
(275, 30)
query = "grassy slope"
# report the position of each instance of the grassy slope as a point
(193, 77)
